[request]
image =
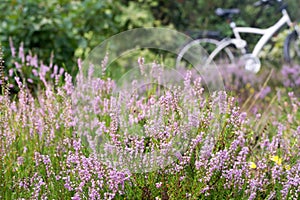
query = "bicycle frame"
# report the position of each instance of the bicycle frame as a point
(266, 33)
(241, 44)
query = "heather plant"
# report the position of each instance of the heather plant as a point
(258, 91)
(30, 71)
(291, 76)
(90, 141)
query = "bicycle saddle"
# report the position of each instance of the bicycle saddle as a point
(226, 12)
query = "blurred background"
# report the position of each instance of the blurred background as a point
(70, 29)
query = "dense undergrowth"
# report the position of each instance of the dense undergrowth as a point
(242, 144)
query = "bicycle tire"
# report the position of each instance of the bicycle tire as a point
(292, 48)
(204, 46)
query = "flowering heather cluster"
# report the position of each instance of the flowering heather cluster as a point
(239, 80)
(56, 146)
(291, 76)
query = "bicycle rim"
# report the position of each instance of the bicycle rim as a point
(200, 49)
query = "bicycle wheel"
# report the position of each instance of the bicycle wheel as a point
(292, 48)
(199, 50)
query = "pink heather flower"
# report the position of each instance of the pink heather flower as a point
(264, 92)
(68, 187)
(18, 82)
(11, 72)
(178, 156)
(278, 93)
(55, 71)
(21, 52)
(187, 79)
(20, 160)
(205, 190)
(258, 116)
(156, 71)
(12, 48)
(290, 75)
(158, 185)
(51, 59)
(252, 195)
(188, 195)
(90, 72)
(198, 164)
(79, 63)
(77, 145)
(222, 98)
(46, 159)
(76, 197)
(28, 58)
(68, 85)
(23, 184)
(61, 71)
(35, 72)
(104, 64)
(44, 69)
(34, 61)
(18, 65)
(141, 62)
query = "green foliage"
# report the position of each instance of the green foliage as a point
(71, 29)
(68, 28)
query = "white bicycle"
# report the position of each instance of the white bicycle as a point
(224, 51)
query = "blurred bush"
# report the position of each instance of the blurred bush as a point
(71, 28)
(67, 28)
